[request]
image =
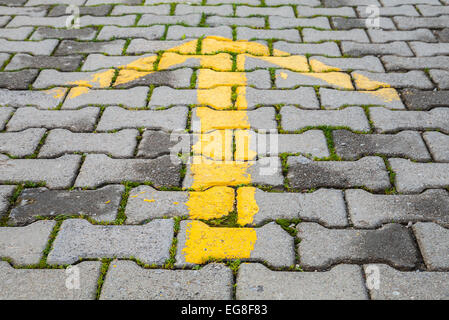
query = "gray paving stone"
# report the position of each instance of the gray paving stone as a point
(221, 10)
(313, 35)
(402, 10)
(212, 282)
(415, 177)
(99, 169)
(13, 2)
(410, 23)
(16, 10)
(25, 245)
(400, 2)
(283, 11)
(50, 2)
(285, 34)
(132, 98)
(427, 10)
(438, 144)
(75, 120)
(259, 79)
(324, 205)
(4, 20)
(100, 205)
(55, 173)
(113, 32)
(116, 118)
(22, 61)
(311, 3)
(20, 21)
(321, 247)
(16, 33)
(398, 48)
(163, 9)
(425, 100)
(44, 47)
(297, 119)
(3, 58)
(341, 23)
(369, 172)
(288, 79)
(211, 2)
(77, 238)
(21, 144)
(48, 284)
(407, 144)
(166, 97)
(257, 282)
(401, 63)
(414, 285)
(273, 245)
(181, 32)
(325, 48)
(304, 11)
(157, 143)
(120, 144)
(6, 192)
(303, 96)
(216, 21)
(433, 242)
(265, 171)
(74, 34)
(179, 78)
(97, 2)
(277, 22)
(51, 78)
(261, 118)
(140, 46)
(441, 77)
(17, 80)
(193, 19)
(391, 121)
(123, 21)
(387, 36)
(69, 47)
(5, 114)
(372, 210)
(99, 11)
(247, 62)
(429, 49)
(151, 2)
(411, 79)
(96, 61)
(368, 63)
(43, 99)
(443, 35)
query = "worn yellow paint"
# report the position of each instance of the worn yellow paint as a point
(218, 120)
(219, 62)
(103, 79)
(338, 79)
(77, 91)
(247, 206)
(283, 75)
(208, 173)
(149, 200)
(128, 75)
(243, 149)
(56, 93)
(185, 48)
(294, 63)
(214, 44)
(213, 203)
(218, 98)
(141, 64)
(216, 145)
(209, 79)
(203, 242)
(318, 66)
(241, 103)
(364, 83)
(386, 94)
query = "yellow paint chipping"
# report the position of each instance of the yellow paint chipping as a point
(56, 93)
(247, 206)
(141, 64)
(103, 79)
(364, 83)
(77, 91)
(218, 98)
(213, 203)
(386, 94)
(203, 243)
(338, 79)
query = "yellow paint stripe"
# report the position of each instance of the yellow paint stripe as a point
(203, 243)
(213, 203)
(243, 151)
(247, 206)
(209, 79)
(216, 44)
(141, 64)
(218, 120)
(216, 145)
(103, 79)
(294, 63)
(364, 83)
(386, 94)
(241, 103)
(318, 66)
(218, 98)
(338, 79)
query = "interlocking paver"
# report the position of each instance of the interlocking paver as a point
(181, 32)
(22, 61)
(48, 284)
(44, 47)
(25, 245)
(410, 23)
(289, 79)
(20, 33)
(441, 78)
(98, 10)
(282, 11)
(6, 193)
(96, 61)
(77, 238)
(20, 80)
(399, 48)
(414, 177)
(372, 210)
(438, 144)
(334, 99)
(324, 48)
(120, 144)
(113, 32)
(100, 205)
(368, 63)
(412, 285)
(215, 21)
(401, 63)
(155, 19)
(321, 247)
(342, 282)
(179, 78)
(43, 99)
(163, 9)
(284, 34)
(21, 144)
(386, 36)
(70, 47)
(425, 49)
(212, 282)
(60, 33)
(313, 35)
(342, 23)
(277, 22)
(425, 100)
(401, 10)
(51, 78)
(432, 240)
(369, 172)
(5, 115)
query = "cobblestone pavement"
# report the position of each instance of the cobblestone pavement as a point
(224, 149)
